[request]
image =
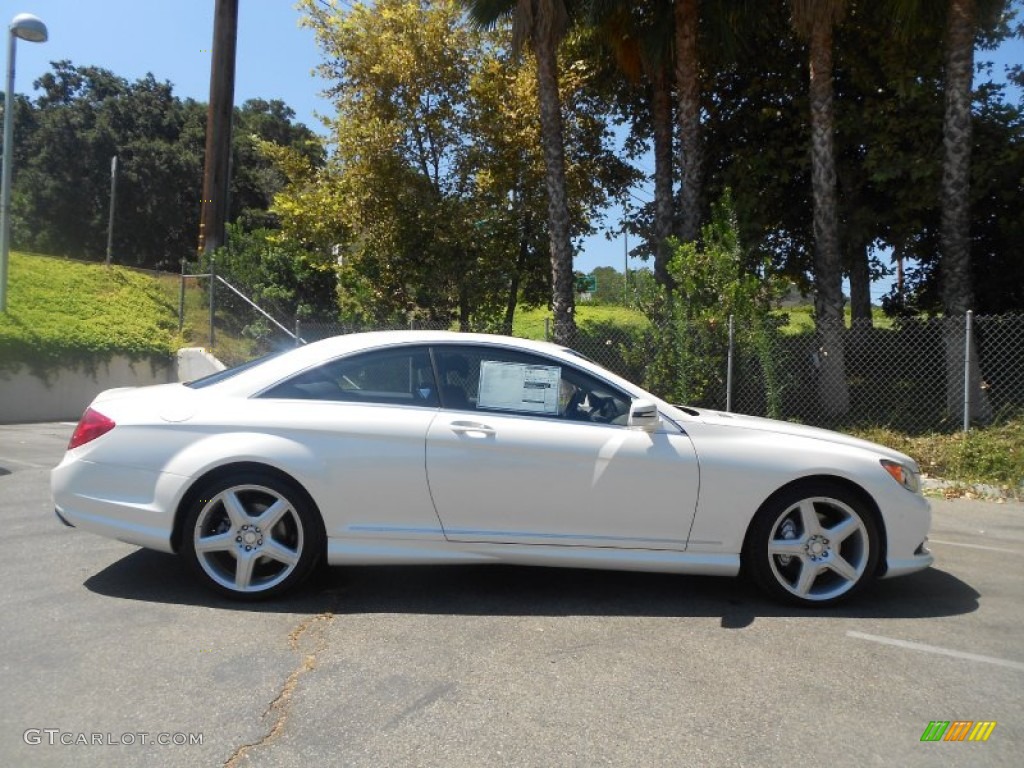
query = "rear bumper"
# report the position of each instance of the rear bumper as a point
(132, 505)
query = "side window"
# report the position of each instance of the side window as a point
(494, 379)
(393, 377)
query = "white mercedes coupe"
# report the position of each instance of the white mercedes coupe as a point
(436, 447)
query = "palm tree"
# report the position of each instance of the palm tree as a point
(815, 20)
(955, 227)
(962, 21)
(954, 232)
(543, 24)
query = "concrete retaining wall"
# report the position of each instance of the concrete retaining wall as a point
(196, 362)
(26, 398)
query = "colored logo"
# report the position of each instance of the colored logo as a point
(958, 730)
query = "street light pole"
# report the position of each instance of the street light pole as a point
(113, 201)
(30, 28)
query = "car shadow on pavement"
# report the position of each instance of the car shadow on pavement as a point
(503, 590)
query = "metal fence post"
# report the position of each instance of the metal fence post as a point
(967, 370)
(728, 370)
(181, 299)
(213, 280)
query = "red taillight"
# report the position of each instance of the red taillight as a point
(93, 425)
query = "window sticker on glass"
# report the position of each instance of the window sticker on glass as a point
(519, 387)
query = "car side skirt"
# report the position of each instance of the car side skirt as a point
(376, 552)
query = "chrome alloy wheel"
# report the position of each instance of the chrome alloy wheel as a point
(248, 538)
(819, 548)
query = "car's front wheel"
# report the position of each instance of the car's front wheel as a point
(251, 536)
(813, 545)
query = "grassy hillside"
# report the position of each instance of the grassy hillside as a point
(61, 311)
(530, 323)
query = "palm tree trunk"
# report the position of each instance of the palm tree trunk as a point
(661, 108)
(687, 16)
(833, 392)
(562, 284)
(957, 293)
(955, 229)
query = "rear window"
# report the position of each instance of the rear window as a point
(227, 373)
(392, 376)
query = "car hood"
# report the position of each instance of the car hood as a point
(757, 423)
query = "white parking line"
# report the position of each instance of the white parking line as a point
(935, 649)
(974, 546)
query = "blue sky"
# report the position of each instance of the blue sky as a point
(172, 39)
(276, 58)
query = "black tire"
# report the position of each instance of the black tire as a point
(252, 536)
(813, 545)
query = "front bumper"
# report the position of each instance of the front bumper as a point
(921, 559)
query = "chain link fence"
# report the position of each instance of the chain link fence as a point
(914, 375)
(910, 374)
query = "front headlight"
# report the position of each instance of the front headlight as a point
(907, 475)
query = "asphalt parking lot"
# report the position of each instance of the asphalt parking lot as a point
(113, 656)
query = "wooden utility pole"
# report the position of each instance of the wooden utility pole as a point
(218, 127)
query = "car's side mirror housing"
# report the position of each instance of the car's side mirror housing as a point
(643, 414)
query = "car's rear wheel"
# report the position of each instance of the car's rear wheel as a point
(813, 545)
(251, 536)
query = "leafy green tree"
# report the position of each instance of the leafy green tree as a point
(712, 283)
(402, 74)
(255, 180)
(435, 190)
(83, 117)
(997, 181)
(285, 279)
(888, 149)
(610, 285)
(508, 216)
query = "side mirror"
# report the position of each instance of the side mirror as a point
(643, 414)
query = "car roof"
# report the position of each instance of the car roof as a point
(257, 377)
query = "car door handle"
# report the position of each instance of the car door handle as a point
(471, 427)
